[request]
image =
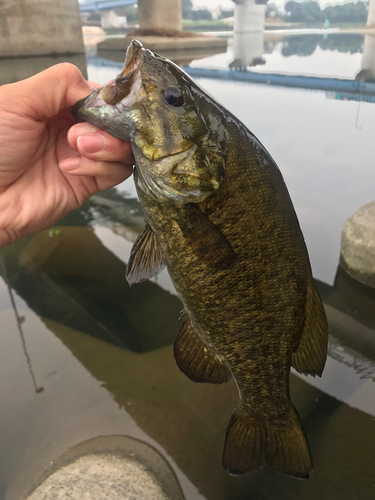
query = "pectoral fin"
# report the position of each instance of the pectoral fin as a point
(206, 240)
(146, 258)
(196, 359)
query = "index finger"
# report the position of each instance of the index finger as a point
(45, 94)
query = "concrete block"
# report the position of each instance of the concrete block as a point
(108, 467)
(37, 27)
(162, 44)
(358, 245)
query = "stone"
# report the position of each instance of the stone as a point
(358, 245)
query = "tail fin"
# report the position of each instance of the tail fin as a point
(250, 445)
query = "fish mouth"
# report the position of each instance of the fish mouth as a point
(118, 89)
(133, 58)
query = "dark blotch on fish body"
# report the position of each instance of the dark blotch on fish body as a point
(220, 218)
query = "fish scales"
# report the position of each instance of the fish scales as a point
(265, 316)
(219, 216)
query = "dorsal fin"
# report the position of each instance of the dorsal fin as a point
(146, 258)
(196, 359)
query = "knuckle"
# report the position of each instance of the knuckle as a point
(71, 71)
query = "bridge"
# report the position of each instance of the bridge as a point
(104, 4)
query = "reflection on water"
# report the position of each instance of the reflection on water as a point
(307, 44)
(19, 68)
(334, 55)
(103, 352)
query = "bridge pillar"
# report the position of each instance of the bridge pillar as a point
(248, 46)
(32, 27)
(367, 71)
(371, 13)
(160, 14)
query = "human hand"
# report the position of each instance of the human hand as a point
(48, 164)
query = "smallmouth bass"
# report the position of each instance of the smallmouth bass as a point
(219, 217)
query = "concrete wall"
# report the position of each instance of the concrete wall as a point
(40, 27)
(164, 14)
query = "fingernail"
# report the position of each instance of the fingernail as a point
(69, 164)
(91, 143)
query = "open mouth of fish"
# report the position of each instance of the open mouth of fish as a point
(117, 90)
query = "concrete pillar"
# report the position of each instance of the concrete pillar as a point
(248, 46)
(160, 14)
(371, 13)
(248, 17)
(32, 27)
(367, 72)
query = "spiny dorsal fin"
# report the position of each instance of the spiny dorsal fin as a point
(146, 258)
(311, 354)
(250, 445)
(196, 359)
(206, 240)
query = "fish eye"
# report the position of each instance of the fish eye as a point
(173, 97)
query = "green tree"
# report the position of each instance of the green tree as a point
(201, 15)
(304, 12)
(351, 12)
(187, 9)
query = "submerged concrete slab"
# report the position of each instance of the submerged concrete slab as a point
(358, 245)
(163, 44)
(109, 467)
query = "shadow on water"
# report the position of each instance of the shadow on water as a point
(69, 276)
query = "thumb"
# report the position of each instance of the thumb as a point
(45, 94)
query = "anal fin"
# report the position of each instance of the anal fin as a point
(146, 258)
(196, 359)
(311, 353)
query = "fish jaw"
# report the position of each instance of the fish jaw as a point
(107, 106)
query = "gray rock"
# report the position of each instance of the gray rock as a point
(358, 245)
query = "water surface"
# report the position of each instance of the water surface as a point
(82, 355)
